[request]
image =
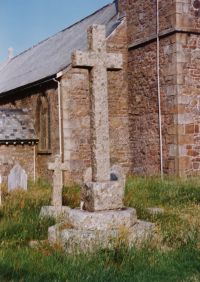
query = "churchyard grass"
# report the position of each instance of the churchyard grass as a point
(172, 255)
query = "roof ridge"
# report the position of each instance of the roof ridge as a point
(70, 26)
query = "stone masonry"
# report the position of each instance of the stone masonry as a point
(103, 214)
(179, 35)
(132, 99)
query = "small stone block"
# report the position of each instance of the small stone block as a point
(155, 211)
(102, 220)
(100, 196)
(58, 213)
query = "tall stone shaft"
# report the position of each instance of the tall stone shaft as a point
(98, 61)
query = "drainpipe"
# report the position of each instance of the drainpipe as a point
(158, 88)
(34, 164)
(59, 117)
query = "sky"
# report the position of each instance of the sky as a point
(24, 23)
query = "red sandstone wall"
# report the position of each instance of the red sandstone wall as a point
(143, 104)
(141, 17)
(142, 85)
(188, 14)
(188, 117)
(179, 79)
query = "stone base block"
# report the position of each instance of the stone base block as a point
(102, 220)
(100, 196)
(76, 241)
(58, 213)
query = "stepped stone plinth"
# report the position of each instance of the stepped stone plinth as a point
(85, 240)
(102, 220)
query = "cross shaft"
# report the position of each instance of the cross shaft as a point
(98, 61)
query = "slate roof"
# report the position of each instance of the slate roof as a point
(16, 127)
(52, 55)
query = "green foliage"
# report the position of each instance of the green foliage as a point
(71, 196)
(19, 216)
(173, 255)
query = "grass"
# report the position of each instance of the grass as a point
(173, 255)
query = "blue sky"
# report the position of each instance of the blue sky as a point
(24, 23)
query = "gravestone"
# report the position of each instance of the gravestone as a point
(17, 179)
(102, 214)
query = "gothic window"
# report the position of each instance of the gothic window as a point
(43, 119)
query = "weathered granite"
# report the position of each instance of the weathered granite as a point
(99, 196)
(98, 61)
(102, 220)
(58, 213)
(17, 179)
(58, 167)
(78, 241)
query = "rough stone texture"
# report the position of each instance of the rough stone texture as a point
(78, 241)
(76, 114)
(10, 155)
(132, 98)
(98, 60)
(99, 196)
(17, 178)
(102, 220)
(24, 154)
(58, 213)
(141, 13)
(187, 117)
(179, 77)
(58, 167)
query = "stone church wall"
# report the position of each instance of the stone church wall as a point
(10, 155)
(188, 118)
(179, 84)
(29, 99)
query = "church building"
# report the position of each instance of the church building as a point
(153, 101)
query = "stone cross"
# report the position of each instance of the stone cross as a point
(98, 61)
(58, 167)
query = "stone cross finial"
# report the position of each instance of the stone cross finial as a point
(58, 167)
(99, 61)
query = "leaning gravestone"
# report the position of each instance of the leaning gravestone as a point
(17, 179)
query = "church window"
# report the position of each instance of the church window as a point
(43, 123)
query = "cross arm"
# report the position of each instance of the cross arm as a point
(82, 59)
(65, 166)
(51, 166)
(114, 61)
